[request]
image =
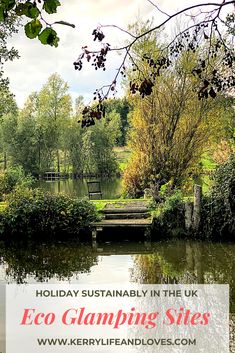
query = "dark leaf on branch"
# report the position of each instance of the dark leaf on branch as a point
(50, 6)
(33, 28)
(28, 9)
(49, 36)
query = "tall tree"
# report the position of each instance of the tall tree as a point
(73, 145)
(54, 109)
(24, 152)
(8, 108)
(170, 127)
(97, 146)
(122, 107)
(8, 136)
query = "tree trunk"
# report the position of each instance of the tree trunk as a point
(39, 159)
(188, 215)
(58, 161)
(65, 162)
(5, 161)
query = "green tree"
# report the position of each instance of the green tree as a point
(46, 133)
(54, 112)
(97, 147)
(7, 101)
(8, 108)
(38, 132)
(8, 137)
(122, 107)
(7, 29)
(37, 140)
(25, 151)
(73, 145)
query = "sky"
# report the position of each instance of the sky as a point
(37, 62)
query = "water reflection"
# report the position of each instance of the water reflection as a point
(163, 262)
(111, 188)
(42, 262)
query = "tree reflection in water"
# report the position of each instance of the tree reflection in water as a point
(42, 262)
(188, 262)
(174, 261)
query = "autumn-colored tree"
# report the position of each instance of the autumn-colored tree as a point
(170, 129)
(223, 152)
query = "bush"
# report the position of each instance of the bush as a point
(12, 178)
(170, 221)
(218, 211)
(37, 214)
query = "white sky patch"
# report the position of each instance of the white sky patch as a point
(37, 62)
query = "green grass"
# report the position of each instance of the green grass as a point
(100, 204)
(123, 155)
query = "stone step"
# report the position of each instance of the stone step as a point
(125, 210)
(126, 215)
(122, 223)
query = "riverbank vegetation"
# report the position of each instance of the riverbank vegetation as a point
(35, 214)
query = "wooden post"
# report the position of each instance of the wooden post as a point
(197, 207)
(94, 244)
(188, 215)
(94, 234)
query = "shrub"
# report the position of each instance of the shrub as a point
(37, 214)
(218, 211)
(12, 178)
(170, 221)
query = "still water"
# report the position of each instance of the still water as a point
(111, 188)
(163, 262)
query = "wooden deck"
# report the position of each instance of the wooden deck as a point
(124, 215)
(123, 223)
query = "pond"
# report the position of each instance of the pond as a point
(165, 262)
(111, 188)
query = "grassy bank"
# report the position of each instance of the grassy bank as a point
(118, 203)
(123, 155)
